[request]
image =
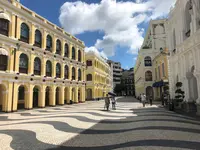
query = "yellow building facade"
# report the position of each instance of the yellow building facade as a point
(160, 74)
(40, 64)
(98, 77)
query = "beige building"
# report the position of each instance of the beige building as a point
(40, 64)
(154, 43)
(98, 76)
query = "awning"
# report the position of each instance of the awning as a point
(3, 51)
(4, 16)
(158, 84)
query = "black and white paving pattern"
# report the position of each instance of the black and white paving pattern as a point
(87, 126)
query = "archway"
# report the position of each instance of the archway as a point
(73, 94)
(66, 96)
(22, 98)
(57, 95)
(79, 95)
(47, 96)
(2, 96)
(36, 94)
(89, 94)
(149, 91)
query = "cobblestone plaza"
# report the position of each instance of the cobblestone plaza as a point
(88, 126)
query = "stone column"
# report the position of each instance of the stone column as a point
(54, 44)
(52, 101)
(61, 95)
(62, 48)
(17, 61)
(31, 64)
(29, 97)
(43, 67)
(76, 53)
(32, 35)
(62, 71)
(70, 51)
(76, 69)
(15, 100)
(83, 94)
(69, 94)
(8, 98)
(54, 68)
(44, 41)
(70, 72)
(76, 95)
(12, 26)
(18, 27)
(42, 95)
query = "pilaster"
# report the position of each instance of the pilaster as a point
(42, 93)
(29, 95)
(52, 101)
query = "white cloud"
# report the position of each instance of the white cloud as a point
(118, 20)
(94, 49)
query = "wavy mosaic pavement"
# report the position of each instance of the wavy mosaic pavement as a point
(88, 126)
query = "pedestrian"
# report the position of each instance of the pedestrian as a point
(150, 99)
(107, 102)
(143, 99)
(140, 98)
(113, 102)
(162, 98)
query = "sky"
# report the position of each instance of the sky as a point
(114, 29)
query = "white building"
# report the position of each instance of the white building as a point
(117, 72)
(154, 42)
(184, 44)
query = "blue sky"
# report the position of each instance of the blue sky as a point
(51, 11)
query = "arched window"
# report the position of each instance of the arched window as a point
(48, 68)
(188, 18)
(37, 66)
(79, 74)
(24, 33)
(89, 63)
(66, 72)
(79, 55)
(89, 77)
(147, 61)
(49, 43)
(38, 38)
(148, 76)
(58, 70)
(66, 50)
(4, 26)
(73, 74)
(73, 53)
(23, 63)
(58, 47)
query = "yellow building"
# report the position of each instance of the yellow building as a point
(98, 76)
(40, 64)
(160, 74)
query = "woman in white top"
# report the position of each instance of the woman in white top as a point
(143, 99)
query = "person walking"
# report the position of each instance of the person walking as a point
(113, 103)
(143, 99)
(107, 102)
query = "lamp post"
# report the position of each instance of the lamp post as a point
(14, 66)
